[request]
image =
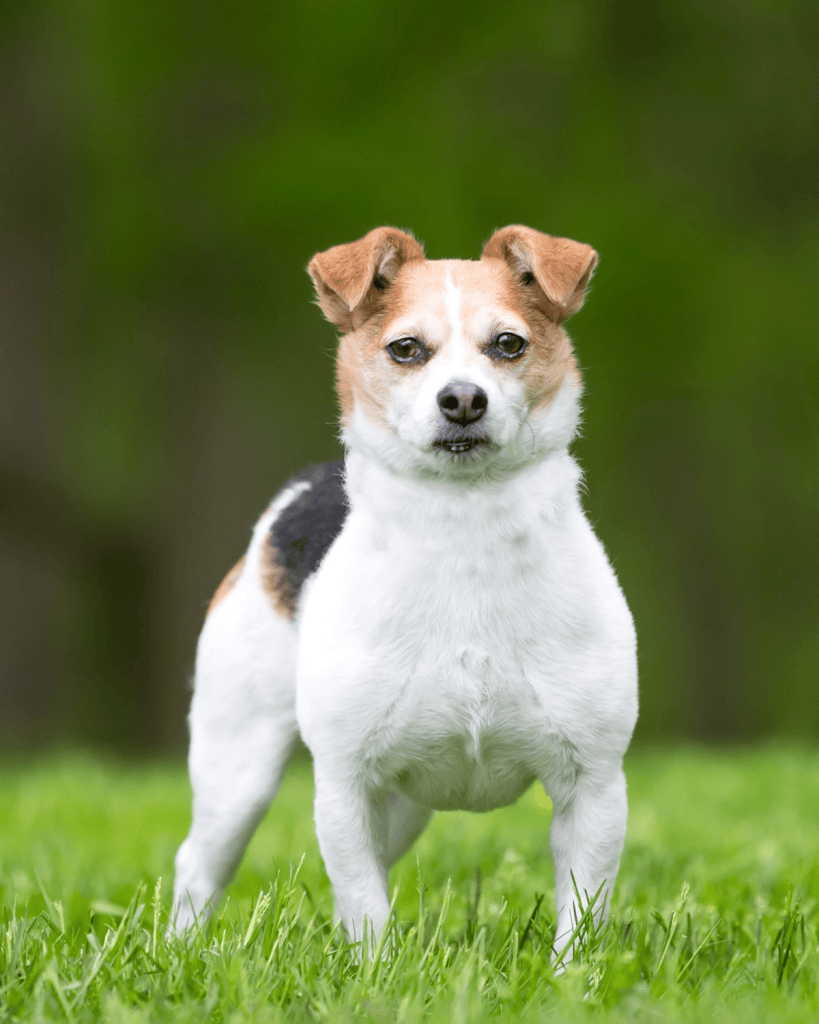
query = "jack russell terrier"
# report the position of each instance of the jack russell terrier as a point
(434, 615)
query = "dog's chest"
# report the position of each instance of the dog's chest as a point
(463, 731)
(453, 648)
(450, 628)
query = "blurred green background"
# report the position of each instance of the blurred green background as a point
(167, 170)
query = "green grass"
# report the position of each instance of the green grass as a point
(715, 912)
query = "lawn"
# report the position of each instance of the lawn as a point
(714, 917)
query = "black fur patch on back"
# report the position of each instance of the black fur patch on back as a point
(302, 533)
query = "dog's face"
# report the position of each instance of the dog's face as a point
(455, 367)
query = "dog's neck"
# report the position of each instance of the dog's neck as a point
(546, 490)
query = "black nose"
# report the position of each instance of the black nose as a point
(461, 402)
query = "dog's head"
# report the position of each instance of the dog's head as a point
(455, 367)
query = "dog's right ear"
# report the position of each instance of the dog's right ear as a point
(349, 278)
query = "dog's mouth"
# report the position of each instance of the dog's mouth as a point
(460, 442)
(459, 447)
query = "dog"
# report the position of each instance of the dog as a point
(434, 615)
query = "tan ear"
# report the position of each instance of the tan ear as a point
(347, 275)
(560, 266)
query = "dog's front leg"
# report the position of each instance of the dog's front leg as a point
(586, 838)
(351, 827)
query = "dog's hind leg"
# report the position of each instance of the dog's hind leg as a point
(243, 730)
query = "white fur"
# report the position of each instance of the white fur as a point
(454, 647)
(243, 728)
(464, 635)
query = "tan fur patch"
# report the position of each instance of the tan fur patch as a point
(272, 579)
(539, 278)
(550, 356)
(227, 584)
(364, 374)
(347, 277)
(561, 266)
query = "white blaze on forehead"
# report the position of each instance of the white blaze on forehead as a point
(458, 352)
(454, 308)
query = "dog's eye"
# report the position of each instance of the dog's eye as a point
(407, 350)
(507, 346)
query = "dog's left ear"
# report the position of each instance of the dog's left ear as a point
(561, 267)
(349, 278)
